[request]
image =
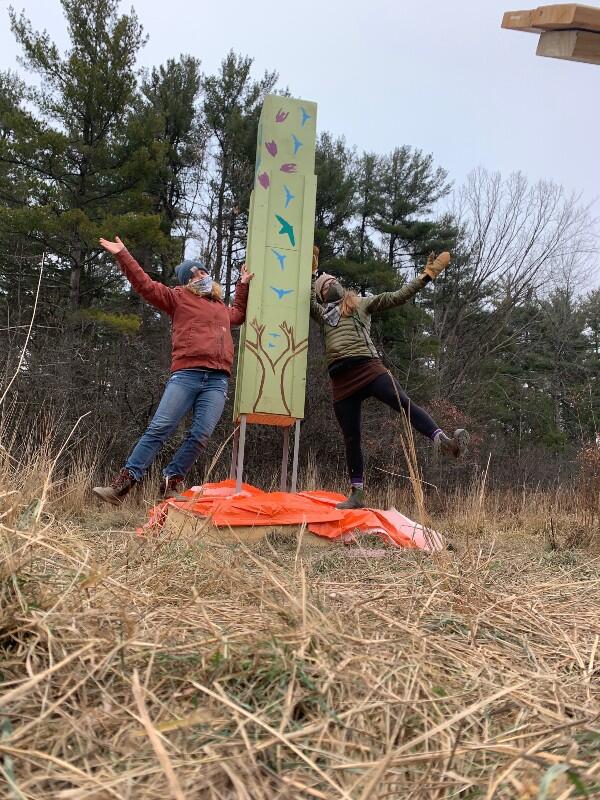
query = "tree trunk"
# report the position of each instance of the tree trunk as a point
(363, 227)
(391, 251)
(229, 264)
(75, 278)
(219, 226)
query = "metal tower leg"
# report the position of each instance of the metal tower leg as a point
(295, 458)
(234, 452)
(284, 459)
(240, 454)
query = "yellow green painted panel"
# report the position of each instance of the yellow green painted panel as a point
(271, 376)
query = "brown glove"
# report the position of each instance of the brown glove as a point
(315, 258)
(435, 266)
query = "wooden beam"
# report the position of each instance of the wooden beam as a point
(570, 45)
(185, 524)
(519, 21)
(279, 420)
(564, 16)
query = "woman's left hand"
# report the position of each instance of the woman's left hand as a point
(245, 276)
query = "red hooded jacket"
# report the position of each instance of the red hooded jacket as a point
(201, 326)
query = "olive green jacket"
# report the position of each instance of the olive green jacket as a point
(351, 337)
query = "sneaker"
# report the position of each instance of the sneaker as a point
(172, 486)
(455, 446)
(118, 488)
(356, 499)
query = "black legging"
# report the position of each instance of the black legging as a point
(347, 411)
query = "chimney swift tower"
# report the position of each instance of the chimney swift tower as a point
(271, 375)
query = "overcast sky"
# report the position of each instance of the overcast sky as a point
(441, 76)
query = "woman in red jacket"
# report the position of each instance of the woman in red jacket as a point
(200, 369)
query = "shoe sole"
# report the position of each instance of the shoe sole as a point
(111, 501)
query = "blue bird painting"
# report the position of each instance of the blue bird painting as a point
(305, 116)
(281, 292)
(281, 257)
(288, 196)
(296, 142)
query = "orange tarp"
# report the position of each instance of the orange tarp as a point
(253, 507)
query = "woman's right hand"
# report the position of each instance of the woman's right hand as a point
(113, 247)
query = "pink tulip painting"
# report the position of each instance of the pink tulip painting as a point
(282, 115)
(288, 168)
(264, 181)
(271, 148)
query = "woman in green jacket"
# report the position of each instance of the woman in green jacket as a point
(356, 370)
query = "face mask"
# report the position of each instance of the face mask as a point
(335, 292)
(202, 285)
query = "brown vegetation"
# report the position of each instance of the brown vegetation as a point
(152, 668)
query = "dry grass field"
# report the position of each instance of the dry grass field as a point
(156, 668)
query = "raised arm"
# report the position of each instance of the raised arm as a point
(154, 292)
(237, 312)
(386, 300)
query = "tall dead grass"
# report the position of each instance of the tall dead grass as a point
(153, 668)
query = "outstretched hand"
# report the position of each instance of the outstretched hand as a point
(245, 276)
(113, 247)
(437, 265)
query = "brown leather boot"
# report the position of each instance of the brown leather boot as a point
(455, 446)
(172, 486)
(118, 488)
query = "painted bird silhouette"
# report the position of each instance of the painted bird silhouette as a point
(271, 148)
(281, 257)
(286, 229)
(288, 196)
(276, 335)
(305, 116)
(296, 142)
(281, 115)
(281, 292)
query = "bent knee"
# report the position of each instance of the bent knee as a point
(161, 427)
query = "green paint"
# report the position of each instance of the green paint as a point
(286, 229)
(271, 375)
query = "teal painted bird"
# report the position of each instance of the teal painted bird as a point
(286, 229)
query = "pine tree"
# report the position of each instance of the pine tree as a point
(169, 111)
(411, 186)
(335, 167)
(76, 149)
(231, 106)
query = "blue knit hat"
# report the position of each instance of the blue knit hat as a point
(184, 270)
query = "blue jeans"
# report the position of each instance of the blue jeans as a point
(201, 390)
